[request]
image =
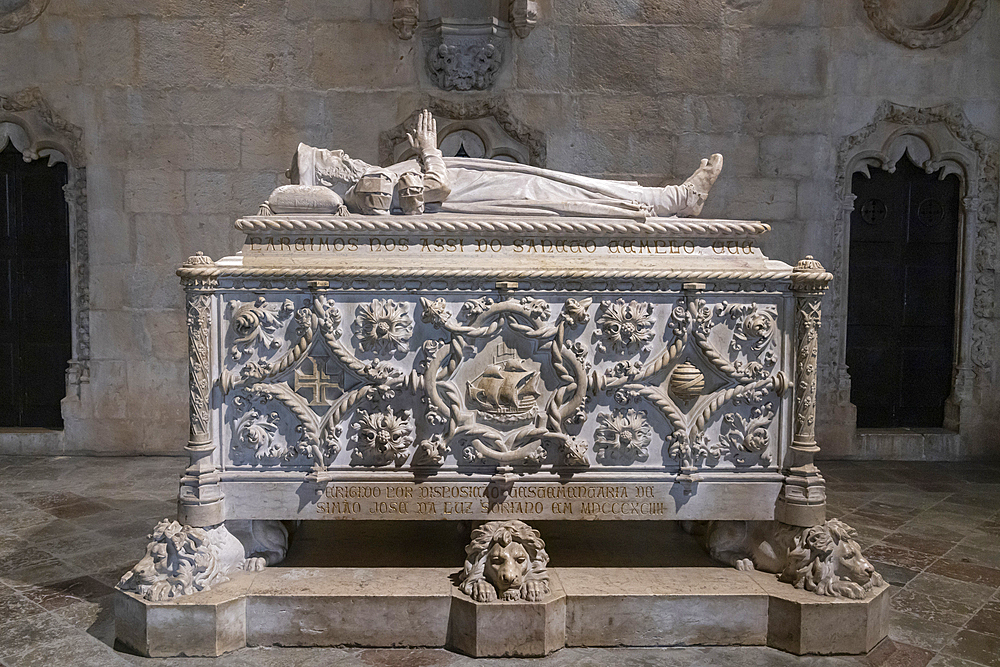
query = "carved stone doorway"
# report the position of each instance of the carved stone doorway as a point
(36, 340)
(901, 295)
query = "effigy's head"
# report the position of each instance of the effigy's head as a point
(373, 192)
(410, 190)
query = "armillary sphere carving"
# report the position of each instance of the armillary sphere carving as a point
(497, 415)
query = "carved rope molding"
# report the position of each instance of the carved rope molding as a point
(651, 226)
(956, 21)
(952, 143)
(198, 273)
(38, 132)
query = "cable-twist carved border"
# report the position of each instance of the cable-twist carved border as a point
(546, 227)
(504, 272)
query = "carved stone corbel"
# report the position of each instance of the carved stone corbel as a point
(200, 497)
(802, 501)
(405, 16)
(523, 16)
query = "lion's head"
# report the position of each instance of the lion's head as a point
(179, 560)
(827, 560)
(505, 560)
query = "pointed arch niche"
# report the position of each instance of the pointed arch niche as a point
(939, 140)
(38, 133)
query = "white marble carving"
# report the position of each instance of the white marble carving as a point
(382, 438)
(625, 326)
(623, 437)
(256, 323)
(383, 326)
(824, 559)
(500, 409)
(181, 560)
(476, 186)
(505, 560)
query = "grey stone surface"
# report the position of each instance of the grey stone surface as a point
(188, 111)
(44, 620)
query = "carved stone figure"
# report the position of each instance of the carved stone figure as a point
(824, 559)
(506, 560)
(181, 560)
(490, 187)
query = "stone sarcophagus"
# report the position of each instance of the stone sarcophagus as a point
(476, 367)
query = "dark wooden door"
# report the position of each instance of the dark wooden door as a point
(35, 333)
(901, 296)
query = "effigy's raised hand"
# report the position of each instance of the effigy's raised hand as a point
(424, 137)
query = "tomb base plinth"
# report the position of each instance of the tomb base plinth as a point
(419, 607)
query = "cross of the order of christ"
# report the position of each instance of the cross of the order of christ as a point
(322, 385)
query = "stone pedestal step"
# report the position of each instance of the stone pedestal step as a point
(394, 607)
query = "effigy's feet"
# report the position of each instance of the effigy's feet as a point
(701, 181)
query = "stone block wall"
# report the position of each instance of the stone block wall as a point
(190, 113)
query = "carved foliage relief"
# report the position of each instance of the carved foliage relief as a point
(518, 382)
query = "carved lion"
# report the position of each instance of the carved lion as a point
(827, 560)
(181, 560)
(824, 559)
(505, 560)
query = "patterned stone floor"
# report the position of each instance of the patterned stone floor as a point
(69, 527)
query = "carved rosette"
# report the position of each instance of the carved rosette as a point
(625, 326)
(382, 438)
(622, 437)
(383, 326)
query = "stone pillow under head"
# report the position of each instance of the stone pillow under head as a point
(304, 199)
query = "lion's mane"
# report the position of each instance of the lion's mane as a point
(179, 560)
(827, 560)
(505, 532)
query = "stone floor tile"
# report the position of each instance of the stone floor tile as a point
(893, 574)
(971, 572)
(942, 660)
(76, 542)
(17, 637)
(935, 532)
(46, 500)
(896, 654)
(975, 555)
(57, 570)
(918, 543)
(930, 635)
(77, 510)
(951, 520)
(871, 518)
(986, 620)
(26, 557)
(953, 589)
(912, 560)
(13, 606)
(68, 649)
(23, 521)
(975, 646)
(47, 531)
(933, 608)
(64, 593)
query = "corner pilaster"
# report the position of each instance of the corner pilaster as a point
(200, 500)
(802, 501)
